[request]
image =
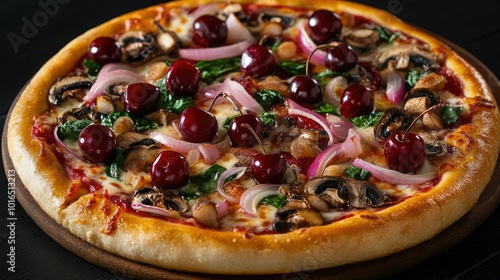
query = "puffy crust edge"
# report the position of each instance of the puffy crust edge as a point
(154, 241)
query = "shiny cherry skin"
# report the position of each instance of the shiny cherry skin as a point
(97, 144)
(305, 90)
(356, 100)
(258, 61)
(404, 154)
(209, 31)
(170, 170)
(183, 78)
(269, 169)
(197, 125)
(341, 58)
(241, 136)
(324, 26)
(141, 98)
(104, 50)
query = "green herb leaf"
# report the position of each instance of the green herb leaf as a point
(213, 69)
(227, 122)
(450, 114)
(275, 200)
(268, 118)
(203, 183)
(292, 67)
(356, 173)
(325, 108)
(113, 170)
(170, 102)
(71, 129)
(413, 76)
(92, 68)
(267, 98)
(275, 45)
(385, 35)
(365, 121)
(140, 123)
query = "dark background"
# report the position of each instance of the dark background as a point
(473, 25)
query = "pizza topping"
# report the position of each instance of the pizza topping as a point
(305, 90)
(340, 58)
(197, 125)
(288, 219)
(107, 79)
(104, 50)
(392, 176)
(224, 183)
(356, 100)
(252, 196)
(402, 55)
(324, 26)
(141, 98)
(392, 120)
(183, 78)
(205, 213)
(257, 61)
(209, 31)
(363, 38)
(169, 170)
(396, 89)
(97, 144)
(71, 86)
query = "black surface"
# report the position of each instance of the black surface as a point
(473, 25)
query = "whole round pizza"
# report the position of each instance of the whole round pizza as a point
(198, 136)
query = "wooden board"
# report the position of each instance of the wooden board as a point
(374, 269)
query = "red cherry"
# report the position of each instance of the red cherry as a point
(104, 50)
(170, 170)
(269, 169)
(141, 98)
(356, 100)
(340, 58)
(240, 135)
(404, 153)
(258, 61)
(305, 90)
(209, 31)
(197, 125)
(183, 78)
(97, 143)
(324, 26)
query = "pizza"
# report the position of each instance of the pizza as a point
(198, 135)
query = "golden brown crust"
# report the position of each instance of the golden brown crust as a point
(365, 236)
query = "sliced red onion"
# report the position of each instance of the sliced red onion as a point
(336, 84)
(394, 177)
(237, 92)
(109, 67)
(295, 109)
(222, 209)
(111, 78)
(177, 145)
(339, 125)
(351, 147)
(210, 152)
(224, 143)
(319, 164)
(252, 196)
(66, 148)
(193, 156)
(237, 31)
(198, 54)
(207, 9)
(396, 88)
(155, 210)
(307, 45)
(238, 171)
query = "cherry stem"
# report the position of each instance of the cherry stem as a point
(432, 108)
(247, 126)
(226, 96)
(159, 26)
(324, 46)
(261, 41)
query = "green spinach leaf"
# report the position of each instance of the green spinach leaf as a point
(267, 98)
(275, 200)
(213, 69)
(71, 129)
(113, 170)
(203, 183)
(451, 114)
(170, 102)
(292, 67)
(92, 68)
(365, 121)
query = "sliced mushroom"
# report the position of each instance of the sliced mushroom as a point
(123, 124)
(318, 185)
(148, 196)
(432, 81)
(138, 46)
(306, 145)
(58, 90)
(289, 219)
(403, 55)
(168, 42)
(362, 38)
(423, 92)
(163, 117)
(317, 203)
(363, 194)
(393, 120)
(296, 203)
(104, 105)
(432, 121)
(140, 158)
(79, 113)
(273, 16)
(176, 203)
(333, 198)
(436, 149)
(129, 140)
(205, 213)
